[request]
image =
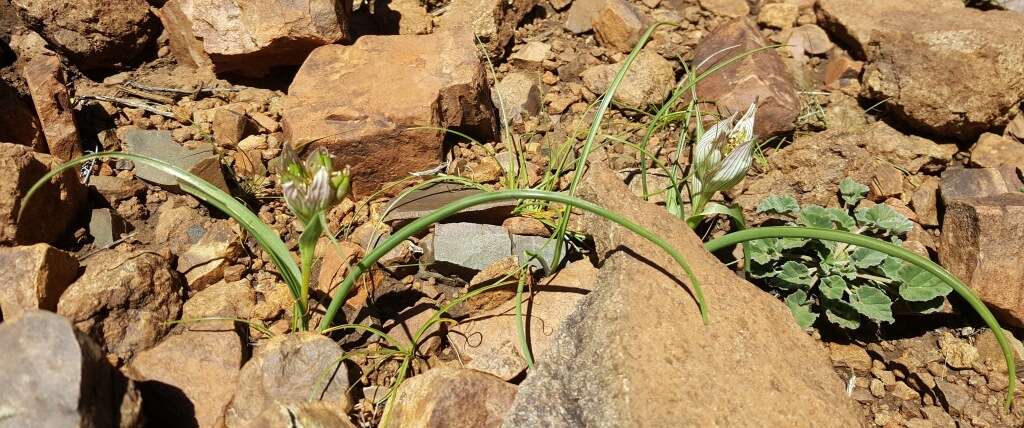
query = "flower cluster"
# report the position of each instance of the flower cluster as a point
(311, 187)
(722, 156)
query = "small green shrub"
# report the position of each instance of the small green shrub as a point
(844, 282)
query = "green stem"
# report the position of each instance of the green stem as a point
(307, 249)
(455, 207)
(893, 250)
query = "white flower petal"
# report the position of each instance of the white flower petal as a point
(732, 169)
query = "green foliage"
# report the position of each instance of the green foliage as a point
(845, 282)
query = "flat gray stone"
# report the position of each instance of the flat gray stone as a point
(523, 246)
(202, 162)
(463, 249)
(106, 226)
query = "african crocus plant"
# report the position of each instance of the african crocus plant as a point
(721, 158)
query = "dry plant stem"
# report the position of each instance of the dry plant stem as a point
(139, 104)
(455, 207)
(892, 250)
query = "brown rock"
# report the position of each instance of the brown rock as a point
(316, 414)
(531, 55)
(94, 33)
(451, 397)
(251, 36)
(811, 168)
(1015, 128)
(527, 226)
(809, 39)
(851, 356)
(367, 125)
(778, 15)
(50, 211)
(993, 150)
(488, 342)
(124, 301)
(19, 124)
(976, 247)
(842, 72)
(403, 17)
(204, 261)
(229, 126)
(960, 183)
(914, 47)
(602, 344)
(580, 16)
(519, 96)
(726, 8)
(290, 369)
(33, 277)
(648, 81)
(618, 26)
(493, 21)
(223, 299)
(925, 201)
(115, 189)
(191, 375)
(761, 76)
(46, 83)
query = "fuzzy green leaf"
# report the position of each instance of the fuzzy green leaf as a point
(852, 191)
(794, 275)
(832, 287)
(764, 251)
(926, 307)
(884, 218)
(920, 286)
(778, 204)
(801, 309)
(842, 314)
(815, 216)
(872, 303)
(841, 218)
(865, 258)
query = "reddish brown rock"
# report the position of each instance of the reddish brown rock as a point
(124, 301)
(943, 68)
(50, 211)
(980, 238)
(451, 397)
(33, 277)
(648, 82)
(618, 25)
(761, 76)
(95, 34)
(726, 8)
(45, 78)
(18, 123)
(202, 366)
(493, 21)
(368, 125)
(251, 36)
(992, 150)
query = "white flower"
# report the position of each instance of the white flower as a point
(722, 156)
(311, 187)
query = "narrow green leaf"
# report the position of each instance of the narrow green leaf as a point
(921, 286)
(778, 204)
(852, 191)
(801, 309)
(832, 287)
(872, 303)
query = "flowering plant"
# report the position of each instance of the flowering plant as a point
(721, 158)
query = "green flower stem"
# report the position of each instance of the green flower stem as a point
(307, 249)
(455, 207)
(892, 250)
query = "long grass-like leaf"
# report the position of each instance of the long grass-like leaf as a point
(263, 234)
(893, 250)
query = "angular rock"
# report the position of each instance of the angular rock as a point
(761, 76)
(202, 162)
(809, 39)
(974, 247)
(519, 95)
(223, 299)
(229, 126)
(526, 247)
(960, 183)
(204, 261)
(367, 125)
(618, 26)
(54, 376)
(106, 226)
(252, 36)
(648, 81)
(778, 15)
(528, 226)
(993, 151)
(925, 201)
(488, 342)
(403, 17)
(289, 370)
(914, 47)
(454, 251)
(531, 55)
(33, 277)
(189, 378)
(423, 201)
(114, 189)
(124, 301)
(451, 397)
(19, 124)
(45, 79)
(811, 168)
(843, 73)
(50, 211)
(726, 8)
(493, 21)
(95, 34)
(307, 415)
(605, 344)
(580, 16)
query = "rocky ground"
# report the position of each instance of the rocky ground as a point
(103, 276)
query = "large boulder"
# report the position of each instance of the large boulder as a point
(811, 168)
(251, 36)
(760, 76)
(50, 211)
(124, 300)
(54, 376)
(980, 244)
(943, 68)
(95, 34)
(642, 344)
(435, 82)
(448, 397)
(33, 277)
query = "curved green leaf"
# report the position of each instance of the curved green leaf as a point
(872, 303)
